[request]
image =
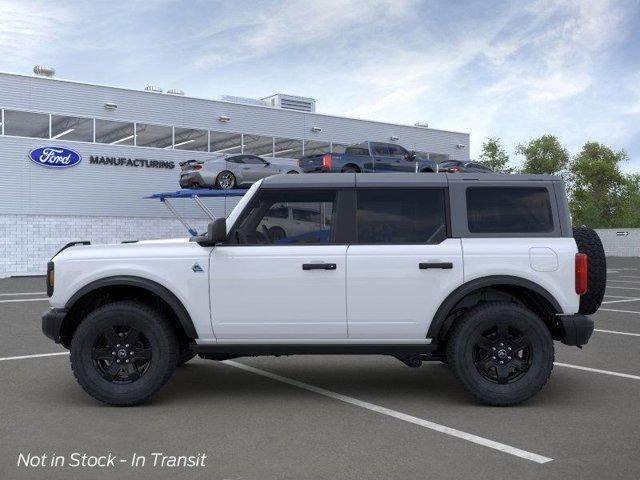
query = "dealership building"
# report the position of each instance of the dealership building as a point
(129, 144)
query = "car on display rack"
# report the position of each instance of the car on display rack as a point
(368, 157)
(480, 271)
(231, 171)
(463, 166)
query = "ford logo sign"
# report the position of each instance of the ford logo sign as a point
(55, 157)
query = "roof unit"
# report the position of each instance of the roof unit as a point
(244, 100)
(292, 102)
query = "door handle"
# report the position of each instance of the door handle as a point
(319, 266)
(442, 265)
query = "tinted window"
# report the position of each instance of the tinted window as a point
(357, 151)
(158, 136)
(401, 216)
(509, 210)
(190, 139)
(114, 133)
(254, 160)
(397, 151)
(267, 221)
(235, 159)
(72, 128)
(381, 150)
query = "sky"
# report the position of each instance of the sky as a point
(513, 70)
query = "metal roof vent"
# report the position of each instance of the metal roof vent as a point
(44, 71)
(175, 91)
(153, 88)
(292, 102)
(422, 124)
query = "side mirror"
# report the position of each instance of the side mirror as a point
(267, 164)
(216, 233)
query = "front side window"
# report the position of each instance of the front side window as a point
(397, 151)
(509, 210)
(267, 221)
(381, 150)
(394, 216)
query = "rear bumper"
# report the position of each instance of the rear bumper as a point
(188, 180)
(52, 323)
(575, 329)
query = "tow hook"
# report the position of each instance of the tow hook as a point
(413, 361)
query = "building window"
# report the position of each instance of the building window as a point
(190, 139)
(258, 145)
(287, 148)
(312, 147)
(26, 124)
(224, 142)
(72, 128)
(114, 133)
(157, 136)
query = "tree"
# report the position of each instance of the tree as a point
(543, 155)
(494, 155)
(600, 192)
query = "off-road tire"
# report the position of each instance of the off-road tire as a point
(155, 329)
(461, 345)
(589, 242)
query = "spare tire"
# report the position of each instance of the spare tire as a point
(589, 243)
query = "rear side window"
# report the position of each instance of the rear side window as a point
(509, 210)
(357, 151)
(401, 216)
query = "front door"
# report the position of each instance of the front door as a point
(279, 278)
(403, 264)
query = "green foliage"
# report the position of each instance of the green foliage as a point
(600, 193)
(494, 156)
(543, 155)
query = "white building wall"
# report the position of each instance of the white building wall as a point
(617, 244)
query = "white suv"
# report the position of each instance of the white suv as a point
(480, 271)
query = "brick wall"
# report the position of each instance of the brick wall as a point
(27, 242)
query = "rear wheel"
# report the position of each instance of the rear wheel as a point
(293, 172)
(123, 353)
(277, 233)
(225, 180)
(349, 169)
(501, 352)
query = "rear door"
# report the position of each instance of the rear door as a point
(403, 264)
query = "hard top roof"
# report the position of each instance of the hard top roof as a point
(344, 180)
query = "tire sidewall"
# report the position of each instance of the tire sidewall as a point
(226, 172)
(460, 353)
(163, 353)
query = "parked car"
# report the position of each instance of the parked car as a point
(231, 171)
(368, 157)
(482, 272)
(287, 223)
(463, 166)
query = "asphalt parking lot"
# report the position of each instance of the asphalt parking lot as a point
(330, 417)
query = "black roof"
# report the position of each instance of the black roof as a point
(320, 180)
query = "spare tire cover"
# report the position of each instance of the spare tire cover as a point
(588, 242)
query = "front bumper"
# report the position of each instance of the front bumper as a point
(575, 329)
(52, 323)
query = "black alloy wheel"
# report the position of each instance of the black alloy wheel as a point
(502, 354)
(122, 354)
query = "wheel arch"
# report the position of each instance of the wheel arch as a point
(532, 295)
(115, 288)
(354, 165)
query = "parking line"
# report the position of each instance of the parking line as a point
(23, 357)
(628, 276)
(623, 288)
(395, 414)
(624, 281)
(619, 311)
(595, 370)
(16, 300)
(620, 301)
(21, 293)
(617, 333)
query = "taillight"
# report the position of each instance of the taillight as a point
(326, 162)
(50, 279)
(455, 169)
(197, 167)
(581, 273)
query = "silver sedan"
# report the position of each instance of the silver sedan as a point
(231, 171)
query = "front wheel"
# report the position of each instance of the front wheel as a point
(501, 352)
(123, 353)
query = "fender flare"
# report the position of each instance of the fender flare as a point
(483, 282)
(153, 287)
